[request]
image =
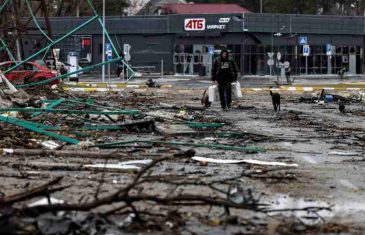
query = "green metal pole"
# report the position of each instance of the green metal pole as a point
(45, 53)
(2, 6)
(52, 44)
(108, 36)
(32, 127)
(35, 21)
(70, 111)
(50, 106)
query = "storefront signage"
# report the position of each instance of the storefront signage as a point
(108, 52)
(224, 20)
(216, 26)
(329, 49)
(196, 24)
(303, 40)
(306, 50)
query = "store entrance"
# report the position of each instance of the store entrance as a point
(197, 59)
(193, 60)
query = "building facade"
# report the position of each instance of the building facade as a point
(186, 44)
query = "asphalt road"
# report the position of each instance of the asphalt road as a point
(195, 82)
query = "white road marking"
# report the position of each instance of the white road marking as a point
(349, 185)
(308, 89)
(310, 160)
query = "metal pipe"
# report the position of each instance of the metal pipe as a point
(35, 21)
(105, 32)
(103, 56)
(2, 6)
(52, 44)
(70, 111)
(261, 6)
(35, 128)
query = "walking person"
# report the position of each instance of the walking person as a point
(224, 72)
(287, 75)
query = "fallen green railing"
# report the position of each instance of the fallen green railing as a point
(50, 106)
(215, 146)
(70, 111)
(36, 128)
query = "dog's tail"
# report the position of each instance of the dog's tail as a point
(202, 100)
(271, 93)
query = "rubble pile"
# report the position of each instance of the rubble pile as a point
(137, 161)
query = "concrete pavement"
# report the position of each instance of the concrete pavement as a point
(249, 83)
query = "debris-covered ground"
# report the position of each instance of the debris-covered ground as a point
(154, 161)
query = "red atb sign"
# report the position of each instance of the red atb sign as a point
(197, 24)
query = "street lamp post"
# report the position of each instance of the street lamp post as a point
(103, 55)
(261, 6)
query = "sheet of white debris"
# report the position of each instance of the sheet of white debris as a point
(247, 161)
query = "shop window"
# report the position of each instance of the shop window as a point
(358, 50)
(261, 49)
(253, 49)
(352, 50)
(246, 49)
(345, 50)
(338, 50)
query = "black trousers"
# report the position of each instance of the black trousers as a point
(225, 94)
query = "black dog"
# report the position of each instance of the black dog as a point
(205, 99)
(275, 100)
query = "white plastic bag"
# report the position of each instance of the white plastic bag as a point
(212, 93)
(236, 89)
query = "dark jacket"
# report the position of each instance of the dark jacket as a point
(233, 70)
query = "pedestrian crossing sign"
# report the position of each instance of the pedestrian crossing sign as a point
(306, 50)
(303, 40)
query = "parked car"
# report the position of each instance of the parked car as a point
(28, 72)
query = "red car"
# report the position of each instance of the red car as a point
(28, 72)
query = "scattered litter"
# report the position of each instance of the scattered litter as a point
(143, 162)
(174, 129)
(248, 161)
(113, 166)
(344, 153)
(50, 144)
(45, 201)
(126, 165)
(8, 151)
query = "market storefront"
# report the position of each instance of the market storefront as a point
(187, 44)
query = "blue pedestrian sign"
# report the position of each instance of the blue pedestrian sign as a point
(306, 50)
(303, 40)
(108, 52)
(329, 49)
(211, 50)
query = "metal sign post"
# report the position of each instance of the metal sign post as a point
(127, 57)
(329, 55)
(306, 52)
(109, 56)
(270, 62)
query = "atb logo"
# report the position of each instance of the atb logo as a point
(194, 24)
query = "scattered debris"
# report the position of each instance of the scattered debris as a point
(247, 161)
